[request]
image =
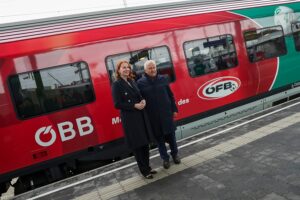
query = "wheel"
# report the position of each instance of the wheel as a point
(22, 185)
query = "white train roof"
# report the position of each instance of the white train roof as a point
(85, 21)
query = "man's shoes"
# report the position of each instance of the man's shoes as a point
(166, 164)
(148, 176)
(153, 171)
(176, 159)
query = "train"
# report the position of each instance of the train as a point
(56, 107)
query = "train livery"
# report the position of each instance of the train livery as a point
(56, 107)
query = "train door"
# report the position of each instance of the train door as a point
(212, 62)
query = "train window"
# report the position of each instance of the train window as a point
(137, 59)
(210, 55)
(265, 43)
(51, 89)
(296, 34)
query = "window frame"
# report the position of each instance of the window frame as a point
(168, 50)
(185, 56)
(283, 36)
(293, 34)
(8, 81)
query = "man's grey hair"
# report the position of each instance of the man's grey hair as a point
(148, 62)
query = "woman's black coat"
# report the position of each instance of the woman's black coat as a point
(160, 103)
(135, 122)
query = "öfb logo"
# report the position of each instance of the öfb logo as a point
(219, 87)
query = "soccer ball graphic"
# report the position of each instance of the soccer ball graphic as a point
(284, 16)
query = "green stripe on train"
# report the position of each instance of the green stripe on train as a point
(289, 64)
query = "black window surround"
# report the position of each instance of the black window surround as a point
(52, 89)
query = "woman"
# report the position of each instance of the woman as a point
(128, 99)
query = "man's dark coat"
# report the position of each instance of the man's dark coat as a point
(135, 122)
(160, 103)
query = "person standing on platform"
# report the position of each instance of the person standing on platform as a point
(161, 109)
(136, 125)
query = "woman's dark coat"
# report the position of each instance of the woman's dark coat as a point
(135, 122)
(160, 103)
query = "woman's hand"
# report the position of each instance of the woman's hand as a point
(139, 106)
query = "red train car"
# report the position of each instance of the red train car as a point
(55, 75)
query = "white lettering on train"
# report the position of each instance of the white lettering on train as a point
(115, 120)
(66, 131)
(183, 101)
(45, 130)
(87, 126)
(219, 88)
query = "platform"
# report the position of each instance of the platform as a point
(257, 157)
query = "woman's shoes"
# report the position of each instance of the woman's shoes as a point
(148, 176)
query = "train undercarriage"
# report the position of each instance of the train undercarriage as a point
(96, 158)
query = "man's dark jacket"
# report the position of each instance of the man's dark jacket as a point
(160, 103)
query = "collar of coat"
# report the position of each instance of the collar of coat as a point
(124, 84)
(151, 78)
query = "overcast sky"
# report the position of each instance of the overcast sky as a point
(20, 10)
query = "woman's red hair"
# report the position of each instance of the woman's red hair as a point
(118, 76)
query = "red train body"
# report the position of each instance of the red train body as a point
(31, 143)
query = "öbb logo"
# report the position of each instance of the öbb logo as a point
(66, 131)
(219, 88)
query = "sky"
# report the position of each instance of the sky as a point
(22, 10)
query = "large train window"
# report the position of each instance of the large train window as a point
(51, 89)
(265, 43)
(210, 55)
(296, 34)
(137, 59)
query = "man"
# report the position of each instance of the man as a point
(161, 108)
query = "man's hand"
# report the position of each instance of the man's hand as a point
(143, 102)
